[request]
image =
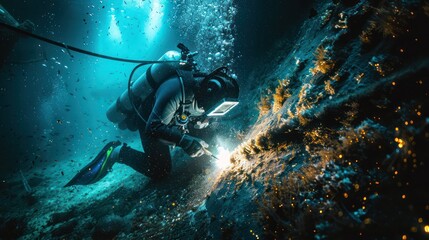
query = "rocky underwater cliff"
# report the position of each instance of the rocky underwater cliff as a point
(332, 135)
(338, 150)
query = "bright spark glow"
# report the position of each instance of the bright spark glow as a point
(223, 156)
(114, 32)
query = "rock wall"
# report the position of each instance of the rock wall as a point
(338, 147)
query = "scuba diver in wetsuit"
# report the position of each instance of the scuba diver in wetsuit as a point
(168, 98)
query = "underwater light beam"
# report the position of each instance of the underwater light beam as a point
(155, 16)
(114, 31)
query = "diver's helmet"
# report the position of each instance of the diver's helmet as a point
(217, 93)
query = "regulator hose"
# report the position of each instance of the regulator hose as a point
(79, 50)
(130, 95)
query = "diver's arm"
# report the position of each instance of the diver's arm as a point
(167, 102)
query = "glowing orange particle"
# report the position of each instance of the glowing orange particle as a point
(403, 196)
(420, 220)
(356, 187)
(393, 83)
(341, 156)
(404, 237)
(427, 229)
(346, 195)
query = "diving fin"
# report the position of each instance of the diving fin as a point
(97, 168)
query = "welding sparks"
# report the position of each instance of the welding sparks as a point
(223, 156)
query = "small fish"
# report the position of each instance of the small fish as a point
(84, 98)
(62, 173)
(59, 121)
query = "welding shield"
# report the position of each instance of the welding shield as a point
(217, 93)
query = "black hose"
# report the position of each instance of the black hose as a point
(130, 96)
(68, 47)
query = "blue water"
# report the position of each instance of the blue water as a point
(55, 101)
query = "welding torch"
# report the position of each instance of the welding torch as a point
(208, 153)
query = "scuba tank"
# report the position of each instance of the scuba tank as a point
(218, 92)
(147, 83)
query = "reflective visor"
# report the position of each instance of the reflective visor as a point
(222, 108)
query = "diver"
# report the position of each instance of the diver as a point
(9, 38)
(162, 104)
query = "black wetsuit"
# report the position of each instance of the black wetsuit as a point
(160, 131)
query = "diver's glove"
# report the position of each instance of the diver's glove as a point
(195, 147)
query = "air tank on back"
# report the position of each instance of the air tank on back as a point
(142, 87)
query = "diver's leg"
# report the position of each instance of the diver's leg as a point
(159, 158)
(155, 162)
(134, 159)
